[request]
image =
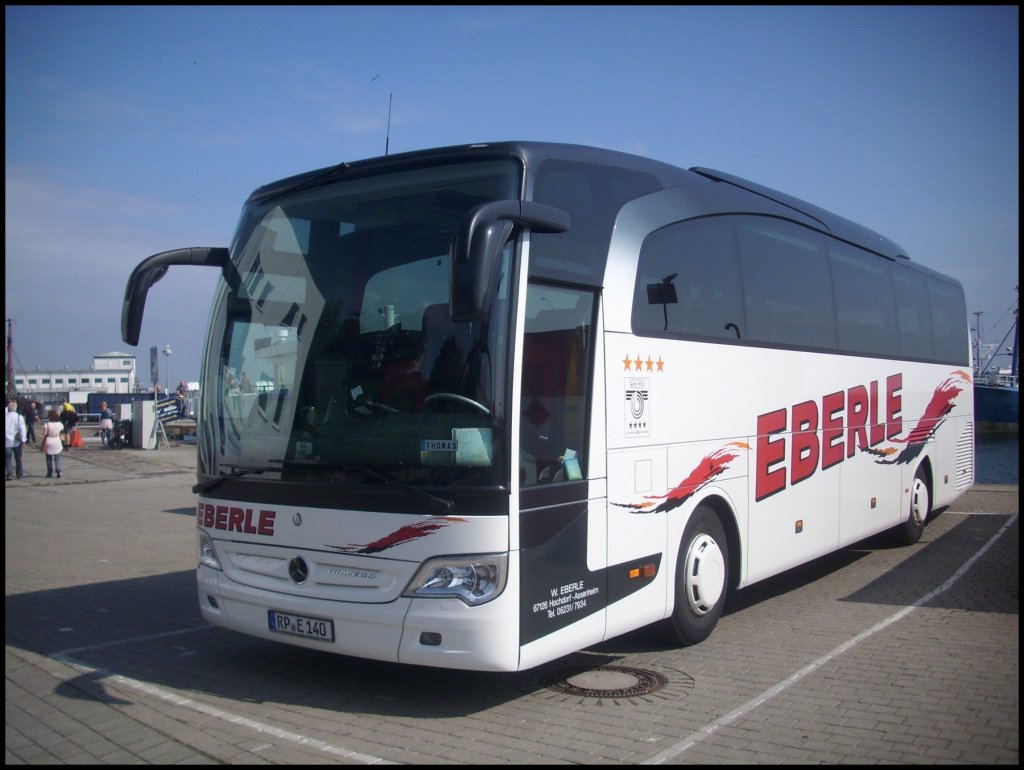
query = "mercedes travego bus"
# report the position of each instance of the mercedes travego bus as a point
(482, 406)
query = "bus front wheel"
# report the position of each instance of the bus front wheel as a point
(702, 574)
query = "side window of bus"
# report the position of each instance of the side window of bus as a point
(948, 308)
(759, 279)
(865, 305)
(736, 277)
(914, 316)
(556, 345)
(787, 289)
(688, 281)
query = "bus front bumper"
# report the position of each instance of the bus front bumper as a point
(445, 633)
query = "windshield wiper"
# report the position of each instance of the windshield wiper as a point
(237, 471)
(438, 502)
(441, 503)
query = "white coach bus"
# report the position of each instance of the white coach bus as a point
(482, 406)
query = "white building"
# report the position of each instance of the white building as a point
(109, 373)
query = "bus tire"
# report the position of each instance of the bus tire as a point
(701, 582)
(910, 531)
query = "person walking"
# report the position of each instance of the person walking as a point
(14, 438)
(106, 424)
(31, 418)
(180, 396)
(53, 443)
(69, 419)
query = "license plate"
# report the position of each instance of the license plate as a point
(300, 625)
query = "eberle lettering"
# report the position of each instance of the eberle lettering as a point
(234, 519)
(855, 411)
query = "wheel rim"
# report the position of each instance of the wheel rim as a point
(919, 502)
(705, 574)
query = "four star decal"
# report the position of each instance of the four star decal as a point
(640, 365)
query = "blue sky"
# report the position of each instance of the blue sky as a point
(133, 130)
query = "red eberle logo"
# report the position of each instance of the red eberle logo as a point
(793, 443)
(941, 404)
(235, 519)
(853, 420)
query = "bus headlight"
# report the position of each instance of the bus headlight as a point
(474, 579)
(207, 554)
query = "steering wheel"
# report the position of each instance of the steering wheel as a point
(456, 397)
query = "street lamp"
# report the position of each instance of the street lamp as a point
(167, 367)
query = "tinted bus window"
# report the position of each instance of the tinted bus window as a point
(914, 316)
(787, 290)
(592, 195)
(865, 306)
(689, 281)
(948, 313)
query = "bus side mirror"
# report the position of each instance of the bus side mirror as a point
(477, 245)
(152, 269)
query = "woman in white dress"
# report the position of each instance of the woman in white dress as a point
(53, 443)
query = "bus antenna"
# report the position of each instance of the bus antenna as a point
(387, 137)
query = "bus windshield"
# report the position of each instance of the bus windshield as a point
(333, 357)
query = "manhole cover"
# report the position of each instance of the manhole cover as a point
(604, 682)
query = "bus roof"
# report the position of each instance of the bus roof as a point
(835, 224)
(532, 154)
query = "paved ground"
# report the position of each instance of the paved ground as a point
(872, 655)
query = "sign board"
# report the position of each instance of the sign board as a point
(167, 410)
(154, 371)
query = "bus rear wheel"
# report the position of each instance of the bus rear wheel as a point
(910, 531)
(702, 575)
